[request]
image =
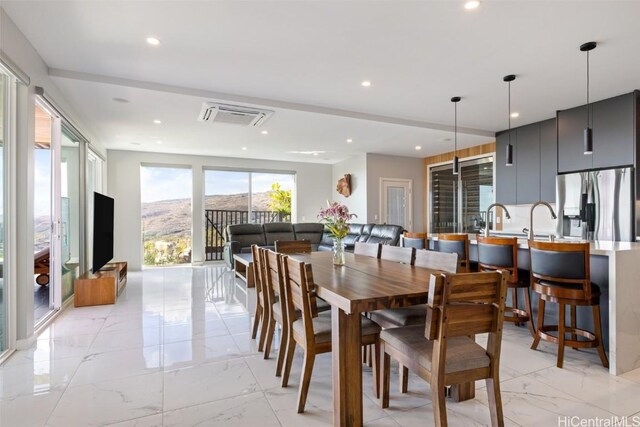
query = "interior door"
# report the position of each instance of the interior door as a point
(396, 203)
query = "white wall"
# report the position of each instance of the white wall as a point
(312, 191)
(381, 166)
(357, 202)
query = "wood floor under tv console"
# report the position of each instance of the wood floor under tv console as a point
(102, 287)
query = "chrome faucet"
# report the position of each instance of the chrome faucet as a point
(530, 236)
(486, 225)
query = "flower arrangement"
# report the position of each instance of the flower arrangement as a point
(335, 217)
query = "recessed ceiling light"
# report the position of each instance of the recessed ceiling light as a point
(153, 41)
(265, 132)
(514, 115)
(158, 142)
(315, 154)
(156, 121)
(366, 83)
(124, 101)
(418, 147)
(349, 141)
(471, 5)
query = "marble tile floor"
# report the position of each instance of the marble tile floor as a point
(176, 351)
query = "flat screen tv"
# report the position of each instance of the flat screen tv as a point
(102, 231)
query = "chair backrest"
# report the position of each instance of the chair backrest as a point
(258, 275)
(456, 243)
(414, 240)
(293, 246)
(398, 254)
(444, 261)
(498, 253)
(300, 293)
(269, 289)
(367, 249)
(561, 262)
(465, 305)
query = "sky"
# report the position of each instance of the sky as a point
(159, 183)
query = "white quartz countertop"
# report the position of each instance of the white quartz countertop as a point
(598, 247)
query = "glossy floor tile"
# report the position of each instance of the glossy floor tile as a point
(176, 350)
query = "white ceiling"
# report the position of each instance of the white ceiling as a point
(306, 59)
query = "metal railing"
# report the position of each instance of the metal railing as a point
(216, 221)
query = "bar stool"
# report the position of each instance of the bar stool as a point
(499, 254)
(560, 274)
(414, 240)
(457, 244)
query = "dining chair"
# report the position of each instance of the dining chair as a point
(293, 246)
(414, 240)
(262, 313)
(458, 244)
(414, 314)
(560, 273)
(312, 331)
(501, 253)
(367, 249)
(398, 254)
(444, 352)
(273, 286)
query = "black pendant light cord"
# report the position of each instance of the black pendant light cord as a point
(509, 112)
(455, 129)
(588, 121)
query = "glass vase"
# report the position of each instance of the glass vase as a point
(338, 252)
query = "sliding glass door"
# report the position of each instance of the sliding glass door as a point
(70, 214)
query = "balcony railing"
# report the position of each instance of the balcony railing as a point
(216, 221)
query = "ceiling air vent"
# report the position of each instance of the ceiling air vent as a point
(213, 112)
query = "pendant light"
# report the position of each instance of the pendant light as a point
(588, 132)
(456, 161)
(509, 155)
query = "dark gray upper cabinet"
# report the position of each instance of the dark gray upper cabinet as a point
(571, 125)
(505, 185)
(612, 121)
(548, 160)
(613, 133)
(528, 164)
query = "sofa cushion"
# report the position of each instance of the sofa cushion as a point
(246, 234)
(278, 231)
(366, 232)
(355, 230)
(311, 231)
(386, 234)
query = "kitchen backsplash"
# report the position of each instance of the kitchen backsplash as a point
(542, 221)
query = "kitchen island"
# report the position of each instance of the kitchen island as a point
(615, 267)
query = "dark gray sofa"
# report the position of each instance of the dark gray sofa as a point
(240, 237)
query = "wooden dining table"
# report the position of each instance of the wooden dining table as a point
(363, 284)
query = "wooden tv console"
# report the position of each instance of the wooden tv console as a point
(102, 287)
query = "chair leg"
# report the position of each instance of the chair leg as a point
(574, 337)
(561, 322)
(403, 376)
(266, 318)
(495, 402)
(598, 329)
(386, 377)
(305, 379)
(536, 339)
(256, 321)
(364, 354)
(271, 328)
(527, 300)
(376, 369)
(514, 303)
(370, 357)
(288, 360)
(439, 404)
(284, 340)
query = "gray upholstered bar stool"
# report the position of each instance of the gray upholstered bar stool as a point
(560, 274)
(456, 244)
(499, 254)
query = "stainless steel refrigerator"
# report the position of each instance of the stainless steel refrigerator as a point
(597, 205)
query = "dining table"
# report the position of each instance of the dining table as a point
(363, 284)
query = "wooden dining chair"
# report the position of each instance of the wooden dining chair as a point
(367, 249)
(312, 332)
(414, 240)
(443, 351)
(501, 253)
(293, 246)
(275, 294)
(458, 244)
(262, 313)
(398, 254)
